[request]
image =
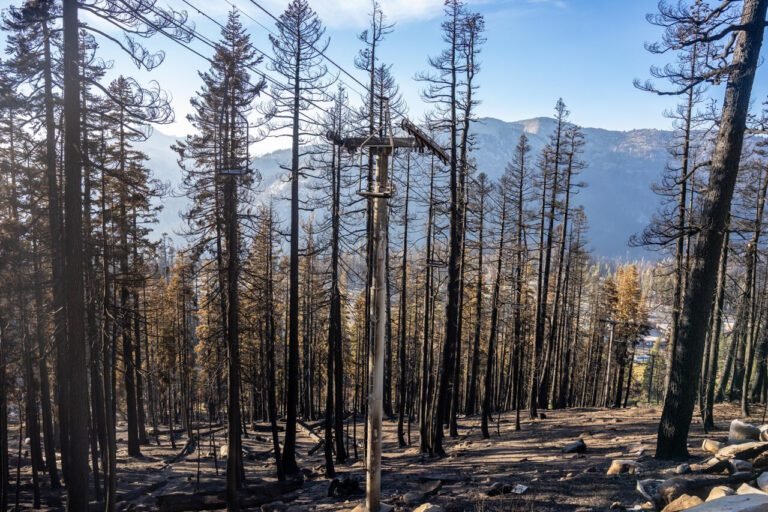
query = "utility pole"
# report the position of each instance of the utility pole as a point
(379, 319)
(382, 147)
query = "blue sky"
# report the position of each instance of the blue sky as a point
(586, 51)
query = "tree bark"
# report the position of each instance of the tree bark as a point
(75, 379)
(686, 363)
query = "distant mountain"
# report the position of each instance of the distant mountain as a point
(621, 166)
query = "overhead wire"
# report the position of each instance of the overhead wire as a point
(205, 40)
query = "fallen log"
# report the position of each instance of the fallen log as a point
(315, 437)
(252, 496)
(317, 446)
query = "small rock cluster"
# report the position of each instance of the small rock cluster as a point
(733, 479)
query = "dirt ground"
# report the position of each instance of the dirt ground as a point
(531, 457)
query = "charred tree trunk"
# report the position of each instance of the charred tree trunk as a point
(75, 379)
(488, 391)
(403, 320)
(686, 363)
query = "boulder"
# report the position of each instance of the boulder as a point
(738, 465)
(735, 503)
(682, 469)
(748, 489)
(719, 492)
(417, 496)
(743, 451)
(413, 498)
(663, 492)
(741, 432)
(762, 482)
(578, 446)
(711, 446)
(622, 466)
(683, 502)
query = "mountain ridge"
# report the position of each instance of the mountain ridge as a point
(618, 201)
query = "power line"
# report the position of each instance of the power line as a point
(329, 59)
(272, 59)
(213, 45)
(265, 54)
(312, 46)
(321, 52)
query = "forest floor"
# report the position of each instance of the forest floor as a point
(531, 456)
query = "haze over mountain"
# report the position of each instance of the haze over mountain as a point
(621, 166)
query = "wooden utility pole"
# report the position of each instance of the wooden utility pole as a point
(381, 147)
(378, 319)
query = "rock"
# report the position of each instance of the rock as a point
(748, 489)
(736, 503)
(429, 507)
(762, 482)
(743, 451)
(578, 446)
(719, 492)
(431, 487)
(663, 492)
(426, 491)
(413, 498)
(741, 432)
(682, 469)
(738, 465)
(622, 466)
(711, 446)
(764, 435)
(683, 502)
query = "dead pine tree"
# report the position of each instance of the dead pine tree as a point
(686, 363)
(446, 89)
(473, 372)
(297, 48)
(493, 336)
(402, 384)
